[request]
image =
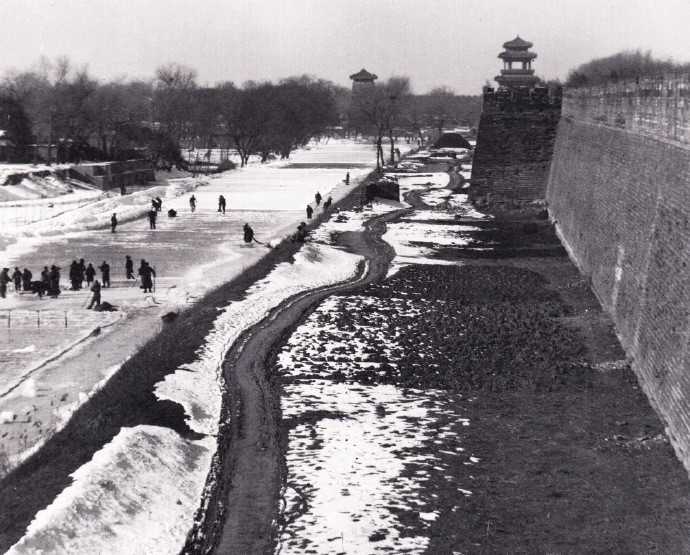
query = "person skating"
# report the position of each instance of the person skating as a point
(74, 275)
(147, 273)
(82, 272)
(248, 233)
(105, 273)
(347, 178)
(26, 279)
(90, 274)
(96, 298)
(129, 267)
(159, 204)
(17, 278)
(192, 203)
(4, 280)
(152, 219)
(310, 211)
(317, 198)
(113, 222)
(221, 204)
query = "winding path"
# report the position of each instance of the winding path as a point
(238, 514)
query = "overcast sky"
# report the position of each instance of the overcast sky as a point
(434, 42)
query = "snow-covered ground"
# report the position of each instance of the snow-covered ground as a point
(139, 493)
(192, 253)
(362, 452)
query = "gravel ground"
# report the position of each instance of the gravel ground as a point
(486, 407)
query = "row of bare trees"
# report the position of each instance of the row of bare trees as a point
(56, 103)
(65, 105)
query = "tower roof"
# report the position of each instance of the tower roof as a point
(363, 75)
(518, 44)
(517, 55)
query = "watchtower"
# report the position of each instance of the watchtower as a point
(362, 81)
(517, 69)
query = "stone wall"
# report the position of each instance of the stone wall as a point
(514, 146)
(658, 107)
(619, 191)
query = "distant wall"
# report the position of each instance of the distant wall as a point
(657, 107)
(619, 190)
(514, 146)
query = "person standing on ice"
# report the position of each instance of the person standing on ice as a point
(317, 198)
(192, 203)
(129, 267)
(152, 219)
(54, 281)
(96, 298)
(221, 204)
(90, 274)
(17, 278)
(4, 280)
(26, 279)
(347, 178)
(310, 211)
(147, 274)
(74, 275)
(82, 272)
(113, 222)
(159, 204)
(248, 233)
(105, 273)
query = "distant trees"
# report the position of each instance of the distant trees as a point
(65, 107)
(267, 119)
(380, 110)
(623, 65)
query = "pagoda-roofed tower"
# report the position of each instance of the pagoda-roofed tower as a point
(517, 69)
(362, 81)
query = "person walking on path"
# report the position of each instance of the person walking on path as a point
(90, 274)
(129, 267)
(317, 198)
(192, 203)
(327, 203)
(221, 204)
(310, 211)
(152, 219)
(105, 273)
(17, 278)
(4, 280)
(26, 279)
(147, 274)
(248, 233)
(96, 298)
(113, 222)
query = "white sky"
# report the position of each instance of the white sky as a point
(434, 42)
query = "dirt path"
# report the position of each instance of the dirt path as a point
(238, 514)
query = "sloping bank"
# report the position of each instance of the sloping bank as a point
(121, 467)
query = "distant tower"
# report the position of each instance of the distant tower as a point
(362, 81)
(516, 54)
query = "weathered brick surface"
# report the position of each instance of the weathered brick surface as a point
(514, 148)
(655, 106)
(621, 199)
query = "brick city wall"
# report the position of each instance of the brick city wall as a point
(620, 194)
(514, 146)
